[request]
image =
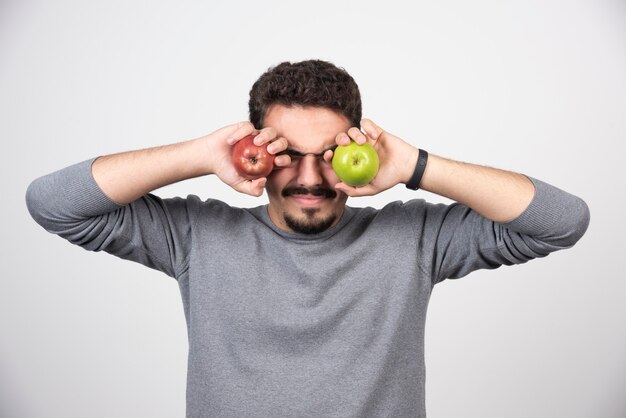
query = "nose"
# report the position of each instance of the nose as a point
(309, 174)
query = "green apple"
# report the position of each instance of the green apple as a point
(354, 164)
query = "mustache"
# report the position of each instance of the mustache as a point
(318, 191)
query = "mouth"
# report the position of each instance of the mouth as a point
(308, 200)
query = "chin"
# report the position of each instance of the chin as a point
(309, 221)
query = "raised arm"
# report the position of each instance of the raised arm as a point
(126, 176)
(498, 195)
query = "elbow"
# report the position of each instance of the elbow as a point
(578, 225)
(585, 218)
(34, 201)
(40, 203)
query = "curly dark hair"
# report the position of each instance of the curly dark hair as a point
(307, 83)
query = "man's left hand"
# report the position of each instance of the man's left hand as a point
(397, 158)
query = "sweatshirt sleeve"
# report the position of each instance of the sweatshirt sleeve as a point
(152, 231)
(454, 240)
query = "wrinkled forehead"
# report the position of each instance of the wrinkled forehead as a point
(307, 129)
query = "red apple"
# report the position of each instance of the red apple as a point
(252, 161)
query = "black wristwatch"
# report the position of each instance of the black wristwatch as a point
(420, 167)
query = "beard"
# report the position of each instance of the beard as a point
(310, 223)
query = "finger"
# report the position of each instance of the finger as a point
(265, 135)
(243, 129)
(277, 146)
(357, 136)
(371, 129)
(282, 161)
(328, 155)
(342, 139)
(251, 187)
(257, 186)
(367, 190)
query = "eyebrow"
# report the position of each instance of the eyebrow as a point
(295, 153)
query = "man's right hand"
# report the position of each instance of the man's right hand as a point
(220, 143)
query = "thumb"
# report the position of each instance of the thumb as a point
(252, 187)
(352, 191)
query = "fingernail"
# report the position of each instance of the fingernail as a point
(362, 139)
(258, 140)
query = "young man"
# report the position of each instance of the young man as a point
(305, 306)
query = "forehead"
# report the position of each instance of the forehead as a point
(307, 129)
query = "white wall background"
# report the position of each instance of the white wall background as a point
(532, 86)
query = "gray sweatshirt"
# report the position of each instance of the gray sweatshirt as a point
(288, 325)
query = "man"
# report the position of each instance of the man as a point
(306, 306)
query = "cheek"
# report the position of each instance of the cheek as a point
(277, 180)
(329, 175)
